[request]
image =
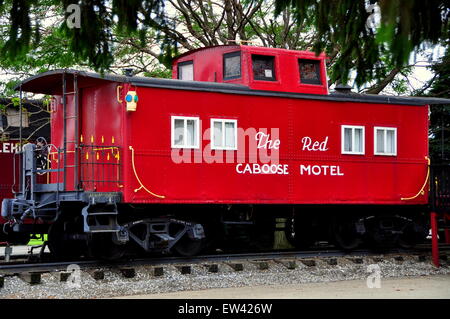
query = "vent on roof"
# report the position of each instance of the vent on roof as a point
(343, 88)
(128, 72)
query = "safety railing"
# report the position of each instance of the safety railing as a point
(100, 167)
(440, 188)
(439, 208)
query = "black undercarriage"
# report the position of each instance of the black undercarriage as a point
(81, 223)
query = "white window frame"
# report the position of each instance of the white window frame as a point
(353, 127)
(384, 128)
(223, 121)
(13, 118)
(185, 118)
(183, 64)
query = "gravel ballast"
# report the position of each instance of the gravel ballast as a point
(83, 285)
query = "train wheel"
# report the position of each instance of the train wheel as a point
(20, 239)
(299, 232)
(411, 236)
(13, 238)
(102, 246)
(188, 247)
(345, 234)
(59, 239)
(263, 237)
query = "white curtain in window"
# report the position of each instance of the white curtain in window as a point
(218, 134)
(390, 141)
(186, 72)
(229, 134)
(347, 139)
(380, 141)
(191, 131)
(179, 132)
(358, 140)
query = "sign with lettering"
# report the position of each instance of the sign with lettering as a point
(332, 170)
(264, 141)
(310, 145)
(9, 147)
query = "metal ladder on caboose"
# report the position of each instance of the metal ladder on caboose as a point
(76, 135)
(93, 211)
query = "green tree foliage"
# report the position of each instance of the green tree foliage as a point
(440, 115)
(342, 25)
(186, 25)
(123, 33)
(20, 32)
(92, 42)
(54, 49)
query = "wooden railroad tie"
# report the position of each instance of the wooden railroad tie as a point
(128, 272)
(262, 265)
(237, 266)
(33, 278)
(308, 262)
(289, 264)
(185, 270)
(158, 271)
(213, 268)
(64, 276)
(356, 260)
(332, 261)
(97, 274)
(377, 259)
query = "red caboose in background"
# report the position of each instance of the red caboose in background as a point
(35, 124)
(240, 136)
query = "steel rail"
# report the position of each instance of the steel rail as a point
(11, 269)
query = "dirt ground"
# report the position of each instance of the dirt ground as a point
(430, 287)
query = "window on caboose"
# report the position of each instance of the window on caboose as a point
(186, 71)
(352, 139)
(263, 67)
(13, 118)
(185, 132)
(385, 141)
(223, 134)
(232, 65)
(309, 71)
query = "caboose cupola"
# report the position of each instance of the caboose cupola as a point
(258, 68)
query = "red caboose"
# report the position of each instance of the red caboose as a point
(240, 136)
(34, 124)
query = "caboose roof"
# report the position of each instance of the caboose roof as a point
(51, 83)
(252, 48)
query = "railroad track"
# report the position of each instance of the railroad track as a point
(31, 272)
(49, 266)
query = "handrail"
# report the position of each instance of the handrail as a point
(421, 191)
(137, 177)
